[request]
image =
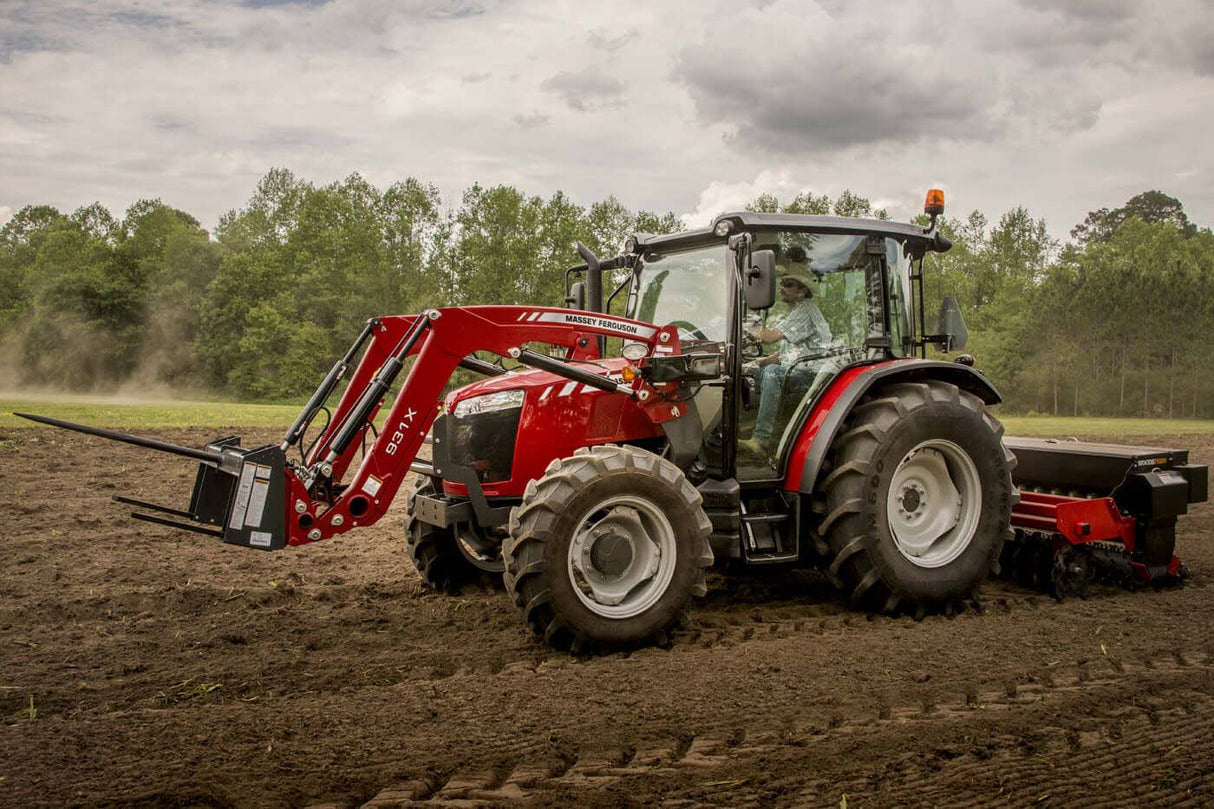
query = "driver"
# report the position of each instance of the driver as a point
(800, 334)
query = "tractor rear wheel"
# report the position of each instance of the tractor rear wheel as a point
(919, 497)
(447, 558)
(608, 546)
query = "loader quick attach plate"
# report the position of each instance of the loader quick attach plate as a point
(212, 488)
(254, 500)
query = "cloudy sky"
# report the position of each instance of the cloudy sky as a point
(694, 106)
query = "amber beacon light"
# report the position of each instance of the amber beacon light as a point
(934, 204)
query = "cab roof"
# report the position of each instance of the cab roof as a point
(751, 220)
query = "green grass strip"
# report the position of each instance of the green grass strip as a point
(159, 414)
(1066, 426)
(148, 415)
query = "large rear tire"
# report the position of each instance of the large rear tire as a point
(918, 497)
(447, 558)
(608, 546)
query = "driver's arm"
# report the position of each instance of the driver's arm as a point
(764, 334)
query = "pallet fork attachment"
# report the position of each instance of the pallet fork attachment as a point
(238, 490)
(256, 498)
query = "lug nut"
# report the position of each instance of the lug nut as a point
(314, 534)
(337, 520)
(300, 507)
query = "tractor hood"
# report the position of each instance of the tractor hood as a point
(510, 440)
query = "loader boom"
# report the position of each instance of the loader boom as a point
(440, 339)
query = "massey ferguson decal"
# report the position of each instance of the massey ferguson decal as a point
(620, 327)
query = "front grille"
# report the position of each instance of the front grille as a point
(484, 442)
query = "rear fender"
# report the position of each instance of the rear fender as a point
(826, 417)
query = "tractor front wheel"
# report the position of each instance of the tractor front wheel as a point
(919, 497)
(447, 558)
(608, 546)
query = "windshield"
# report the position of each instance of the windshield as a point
(688, 289)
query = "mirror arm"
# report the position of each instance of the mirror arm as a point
(945, 341)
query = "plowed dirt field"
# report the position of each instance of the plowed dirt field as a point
(143, 666)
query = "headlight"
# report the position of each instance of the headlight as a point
(634, 351)
(489, 402)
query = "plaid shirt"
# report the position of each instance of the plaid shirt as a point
(804, 331)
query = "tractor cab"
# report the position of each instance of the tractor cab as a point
(789, 302)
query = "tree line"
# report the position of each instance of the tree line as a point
(1114, 322)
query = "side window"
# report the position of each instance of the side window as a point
(900, 316)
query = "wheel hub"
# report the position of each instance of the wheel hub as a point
(481, 552)
(913, 499)
(934, 502)
(611, 554)
(621, 558)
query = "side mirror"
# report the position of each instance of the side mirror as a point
(761, 280)
(577, 296)
(951, 323)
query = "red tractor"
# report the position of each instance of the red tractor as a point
(716, 420)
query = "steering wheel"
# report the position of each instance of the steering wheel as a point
(752, 347)
(690, 328)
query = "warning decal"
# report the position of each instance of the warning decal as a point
(257, 501)
(243, 492)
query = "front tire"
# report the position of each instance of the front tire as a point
(609, 546)
(918, 499)
(444, 558)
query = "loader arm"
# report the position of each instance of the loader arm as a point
(440, 339)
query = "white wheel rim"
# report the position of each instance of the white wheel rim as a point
(622, 557)
(934, 502)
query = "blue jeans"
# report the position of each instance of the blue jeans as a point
(771, 381)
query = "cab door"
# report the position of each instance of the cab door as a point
(793, 351)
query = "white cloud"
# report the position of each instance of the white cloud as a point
(721, 197)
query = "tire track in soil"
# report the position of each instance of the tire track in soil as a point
(1119, 764)
(565, 770)
(1127, 769)
(731, 624)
